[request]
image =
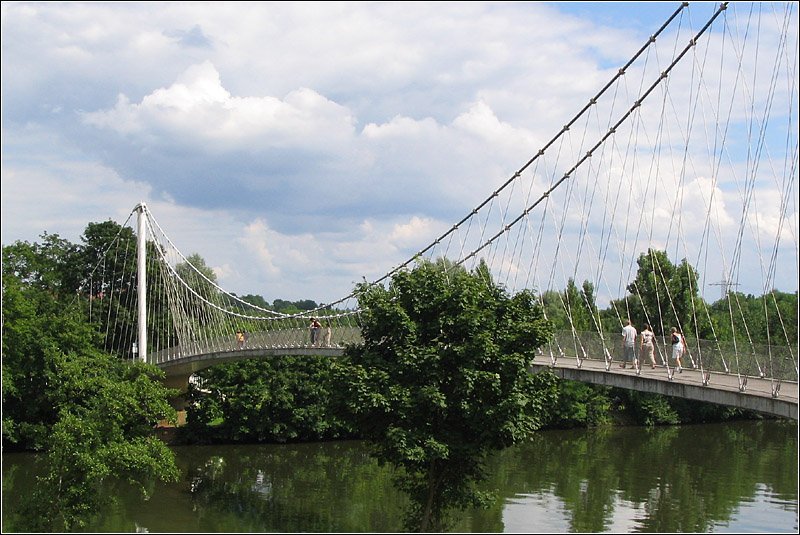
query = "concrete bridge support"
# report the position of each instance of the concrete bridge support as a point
(723, 389)
(181, 384)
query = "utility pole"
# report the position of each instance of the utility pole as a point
(725, 285)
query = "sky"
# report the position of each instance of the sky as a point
(298, 147)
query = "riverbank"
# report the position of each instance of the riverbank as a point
(168, 432)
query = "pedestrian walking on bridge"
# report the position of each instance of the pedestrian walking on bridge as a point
(629, 345)
(647, 345)
(678, 347)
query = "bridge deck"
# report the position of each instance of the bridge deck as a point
(769, 396)
(779, 398)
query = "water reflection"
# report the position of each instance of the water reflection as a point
(312, 487)
(735, 477)
(673, 479)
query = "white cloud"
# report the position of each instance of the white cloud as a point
(304, 146)
(198, 107)
(418, 230)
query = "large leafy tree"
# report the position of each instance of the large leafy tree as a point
(103, 435)
(109, 281)
(91, 413)
(662, 294)
(55, 264)
(442, 379)
(687, 308)
(649, 299)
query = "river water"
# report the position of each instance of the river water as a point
(738, 477)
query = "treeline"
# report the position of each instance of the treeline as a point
(667, 295)
(280, 305)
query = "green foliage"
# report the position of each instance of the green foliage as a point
(573, 308)
(38, 334)
(770, 318)
(650, 295)
(662, 294)
(581, 405)
(106, 410)
(651, 409)
(282, 399)
(293, 307)
(81, 459)
(441, 380)
(91, 413)
(694, 412)
(53, 265)
(256, 300)
(666, 295)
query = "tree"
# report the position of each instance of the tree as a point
(40, 323)
(103, 432)
(663, 295)
(52, 264)
(590, 302)
(649, 292)
(256, 300)
(442, 379)
(770, 318)
(580, 305)
(199, 277)
(293, 307)
(554, 310)
(687, 306)
(91, 413)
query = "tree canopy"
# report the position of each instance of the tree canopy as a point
(90, 413)
(442, 379)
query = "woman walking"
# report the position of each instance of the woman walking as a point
(678, 347)
(647, 345)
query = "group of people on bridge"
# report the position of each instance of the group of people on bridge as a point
(318, 336)
(647, 346)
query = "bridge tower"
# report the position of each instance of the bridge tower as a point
(141, 271)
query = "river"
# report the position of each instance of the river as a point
(738, 477)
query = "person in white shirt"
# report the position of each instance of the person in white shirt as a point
(629, 345)
(678, 347)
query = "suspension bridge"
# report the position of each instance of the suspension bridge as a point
(688, 152)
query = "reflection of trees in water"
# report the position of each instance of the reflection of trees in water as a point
(684, 478)
(270, 487)
(680, 479)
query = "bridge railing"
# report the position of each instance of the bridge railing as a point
(778, 362)
(756, 360)
(290, 338)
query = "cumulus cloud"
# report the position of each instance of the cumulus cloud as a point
(197, 107)
(304, 146)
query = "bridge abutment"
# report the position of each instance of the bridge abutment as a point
(178, 402)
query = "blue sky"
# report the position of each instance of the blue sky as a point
(297, 147)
